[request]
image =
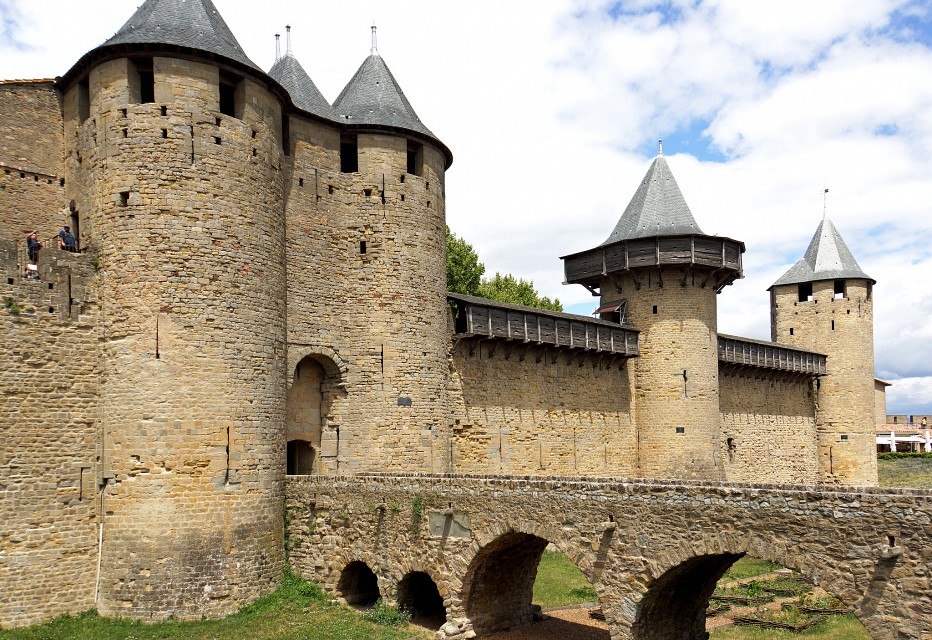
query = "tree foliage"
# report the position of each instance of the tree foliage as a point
(464, 275)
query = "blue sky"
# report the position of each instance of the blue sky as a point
(552, 109)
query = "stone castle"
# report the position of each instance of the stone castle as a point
(260, 292)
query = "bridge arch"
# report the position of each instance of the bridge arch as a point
(674, 593)
(418, 593)
(497, 588)
(358, 584)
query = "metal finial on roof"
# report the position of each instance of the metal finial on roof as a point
(660, 146)
(375, 43)
(278, 47)
(824, 201)
(288, 39)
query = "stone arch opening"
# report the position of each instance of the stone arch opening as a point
(314, 383)
(499, 584)
(418, 593)
(358, 585)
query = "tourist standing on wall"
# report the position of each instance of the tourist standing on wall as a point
(66, 240)
(32, 246)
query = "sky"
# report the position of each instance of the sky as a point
(553, 109)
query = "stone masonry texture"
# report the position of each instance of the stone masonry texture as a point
(255, 280)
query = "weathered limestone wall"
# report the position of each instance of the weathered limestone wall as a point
(49, 433)
(843, 328)
(880, 402)
(524, 410)
(31, 193)
(768, 428)
(637, 543)
(367, 298)
(676, 374)
(189, 223)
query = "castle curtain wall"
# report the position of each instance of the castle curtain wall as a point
(768, 428)
(524, 413)
(49, 435)
(31, 160)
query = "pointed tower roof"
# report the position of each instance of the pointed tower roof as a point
(657, 208)
(190, 24)
(827, 258)
(289, 73)
(373, 97)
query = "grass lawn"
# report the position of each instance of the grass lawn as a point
(835, 628)
(914, 473)
(748, 567)
(559, 582)
(297, 611)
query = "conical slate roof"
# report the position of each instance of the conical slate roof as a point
(190, 24)
(827, 258)
(289, 73)
(657, 208)
(374, 97)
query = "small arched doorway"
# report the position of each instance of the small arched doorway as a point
(303, 423)
(418, 594)
(358, 585)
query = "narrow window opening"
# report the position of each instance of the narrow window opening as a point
(286, 135)
(254, 133)
(402, 177)
(791, 330)
(61, 182)
(217, 140)
(255, 152)
(833, 325)
(125, 133)
(51, 286)
(427, 185)
(367, 192)
(844, 437)
(428, 204)
(164, 133)
(732, 449)
(75, 224)
(402, 197)
(300, 182)
(415, 158)
(227, 100)
(163, 110)
(123, 113)
(330, 188)
(51, 309)
(124, 198)
(362, 247)
(84, 100)
(681, 429)
(805, 292)
(891, 540)
(349, 154)
(839, 289)
(146, 80)
(218, 121)
(9, 280)
(654, 310)
(35, 178)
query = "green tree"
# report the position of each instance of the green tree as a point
(507, 288)
(464, 275)
(464, 271)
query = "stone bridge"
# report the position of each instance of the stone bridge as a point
(463, 550)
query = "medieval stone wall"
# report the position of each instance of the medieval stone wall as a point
(367, 299)
(525, 410)
(676, 373)
(843, 328)
(31, 171)
(49, 434)
(652, 550)
(768, 428)
(189, 230)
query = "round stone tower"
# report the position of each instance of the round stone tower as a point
(658, 272)
(824, 303)
(367, 276)
(174, 156)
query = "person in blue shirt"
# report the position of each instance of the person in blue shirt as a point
(66, 240)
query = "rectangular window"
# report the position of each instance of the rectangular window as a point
(349, 154)
(415, 158)
(286, 134)
(227, 99)
(146, 75)
(805, 291)
(839, 289)
(84, 100)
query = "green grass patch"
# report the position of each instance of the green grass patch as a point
(298, 610)
(748, 567)
(907, 470)
(835, 628)
(560, 582)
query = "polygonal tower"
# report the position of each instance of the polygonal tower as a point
(658, 272)
(173, 145)
(824, 303)
(368, 341)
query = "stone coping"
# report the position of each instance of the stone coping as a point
(596, 481)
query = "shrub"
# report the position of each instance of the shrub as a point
(383, 614)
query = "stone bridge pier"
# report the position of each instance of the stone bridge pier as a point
(462, 551)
